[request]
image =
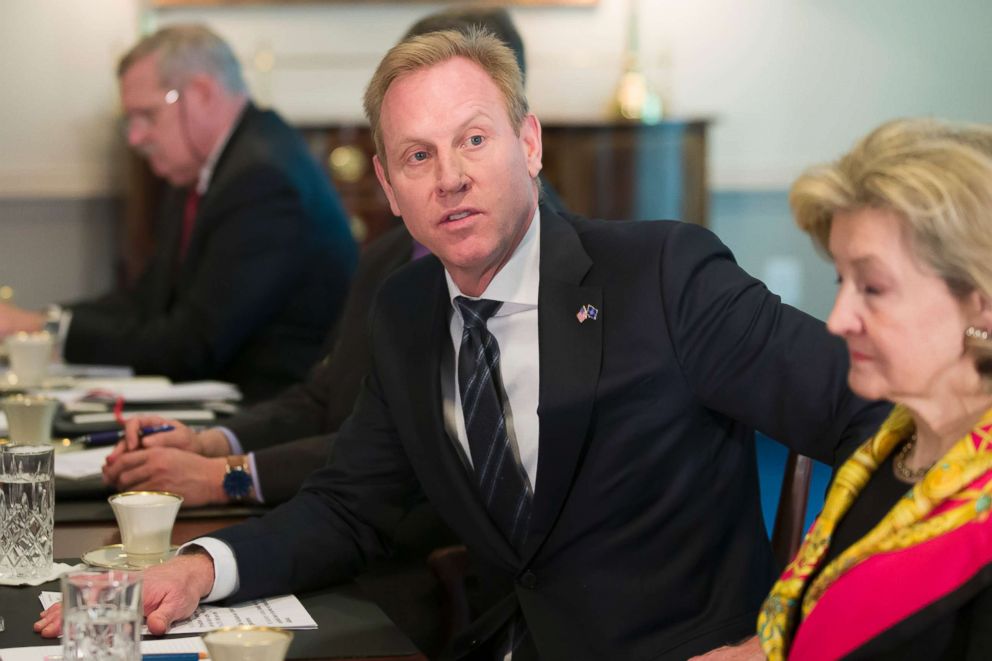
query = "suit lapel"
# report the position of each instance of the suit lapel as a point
(432, 331)
(570, 357)
(218, 182)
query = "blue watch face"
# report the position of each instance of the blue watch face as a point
(237, 484)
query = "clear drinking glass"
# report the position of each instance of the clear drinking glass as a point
(101, 615)
(27, 511)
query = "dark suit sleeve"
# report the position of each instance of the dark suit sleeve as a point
(321, 403)
(298, 412)
(282, 468)
(342, 517)
(755, 359)
(249, 267)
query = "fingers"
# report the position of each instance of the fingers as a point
(49, 623)
(112, 470)
(158, 622)
(132, 440)
(131, 470)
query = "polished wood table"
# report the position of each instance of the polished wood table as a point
(348, 619)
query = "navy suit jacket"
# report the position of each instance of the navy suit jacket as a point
(646, 537)
(263, 280)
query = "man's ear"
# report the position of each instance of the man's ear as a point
(530, 138)
(380, 174)
(199, 91)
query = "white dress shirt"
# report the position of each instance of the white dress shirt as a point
(515, 328)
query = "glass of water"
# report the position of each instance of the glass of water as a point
(101, 615)
(27, 511)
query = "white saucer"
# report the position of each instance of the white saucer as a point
(114, 557)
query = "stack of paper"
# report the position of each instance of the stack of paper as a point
(285, 612)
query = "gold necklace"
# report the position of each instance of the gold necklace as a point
(902, 471)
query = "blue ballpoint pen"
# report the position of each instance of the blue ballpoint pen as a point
(99, 438)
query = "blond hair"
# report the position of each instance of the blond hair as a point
(936, 176)
(427, 50)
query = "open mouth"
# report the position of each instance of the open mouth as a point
(458, 215)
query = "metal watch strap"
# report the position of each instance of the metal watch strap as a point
(238, 485)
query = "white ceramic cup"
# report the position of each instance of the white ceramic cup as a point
(29, 418)
(145, 519)
(29, 355)
(248, 643)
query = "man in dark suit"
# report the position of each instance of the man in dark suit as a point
(285, 437)
(288, 435)
(576, 398)
(254, 252)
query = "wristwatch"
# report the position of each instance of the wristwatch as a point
(238, 484)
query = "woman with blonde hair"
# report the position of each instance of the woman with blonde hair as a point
(899, 563)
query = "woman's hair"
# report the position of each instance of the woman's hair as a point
(424, 51)
(937, 177)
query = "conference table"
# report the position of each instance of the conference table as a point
(351, 626)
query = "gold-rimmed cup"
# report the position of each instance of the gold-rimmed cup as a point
(248, 643)
(29, 355)
(145, 519)
(29, 418)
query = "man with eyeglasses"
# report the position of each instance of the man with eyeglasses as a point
(254, 254)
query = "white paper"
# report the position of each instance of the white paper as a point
(85, 463)
(185, 415)
(162, 390)
(285, 612)
(58, 568)
(90, 371)
(165, 646)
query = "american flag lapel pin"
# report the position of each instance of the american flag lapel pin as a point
(587, 312)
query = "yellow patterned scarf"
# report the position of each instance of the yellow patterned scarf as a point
(905, 525)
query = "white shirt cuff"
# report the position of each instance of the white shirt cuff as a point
(225, 567)
(254, 478)
(232, 440)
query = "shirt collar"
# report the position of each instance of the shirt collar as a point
(516, 284)
(207, 169)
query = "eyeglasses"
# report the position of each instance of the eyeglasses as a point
(145, 118)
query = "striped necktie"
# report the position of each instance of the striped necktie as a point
(501, 479)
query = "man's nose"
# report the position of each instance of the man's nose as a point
(451, 176)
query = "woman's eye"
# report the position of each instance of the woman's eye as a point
(476, 140)
(871, 290)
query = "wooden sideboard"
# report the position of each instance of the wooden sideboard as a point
(599, 170)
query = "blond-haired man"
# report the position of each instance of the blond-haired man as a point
(577, 398)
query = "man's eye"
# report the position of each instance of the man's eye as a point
(419, 156)
(476, 140)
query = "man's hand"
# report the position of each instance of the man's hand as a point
(14, 319)
(209, 443)
(749, 649)
(199, 480)
(170, 592)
